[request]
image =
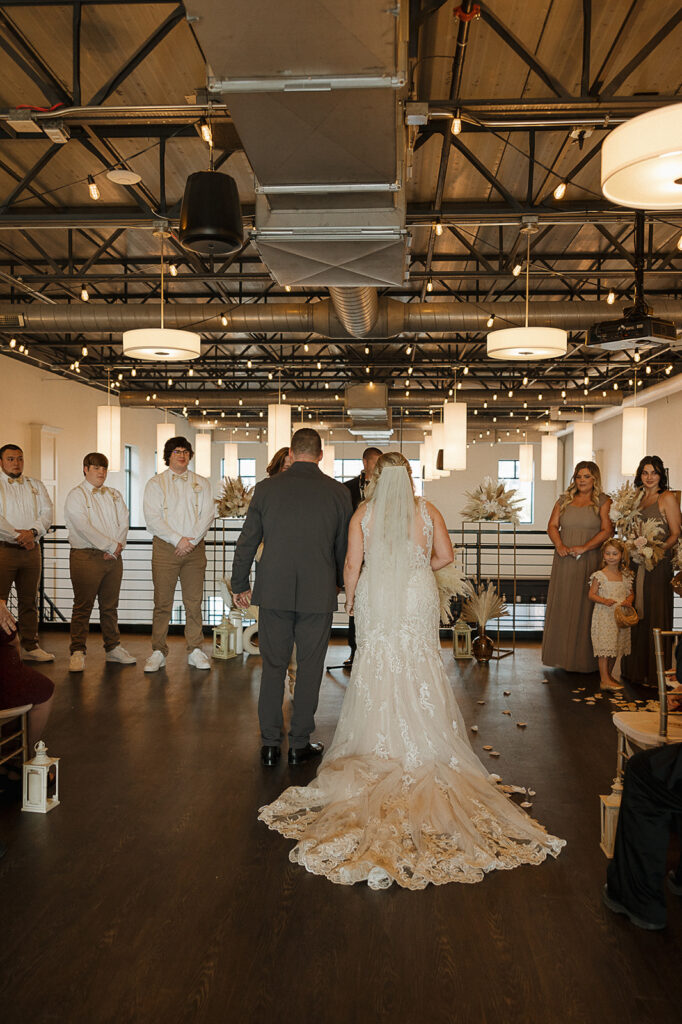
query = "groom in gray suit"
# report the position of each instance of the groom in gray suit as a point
(302, 518)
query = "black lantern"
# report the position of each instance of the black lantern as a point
(211, 216)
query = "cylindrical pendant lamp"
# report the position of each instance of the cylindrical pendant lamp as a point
(161, 343)
(582, 442)
(279, 428)
(525, 343)
(202, 455)
(549, 457)
(211, 214)
(641, 161)
(429, 458)
(438, 434)
(164, 432)
(455, 450)
(525, 463)
(231, 460)
(328, 456)
(633, 447)
(109, 435)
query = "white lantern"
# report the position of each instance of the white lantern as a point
(231, 460)
(225, 637)
(461, 640)
(549, 460)
(455, 450)
(161, 343)
(633, 445)
(525, 463)
(164, 432)
(328, 455)
(41, 781)
(202, 455)
(582, 442)
(641, 161)
(109, 435)
(279, 428)
(524, 343)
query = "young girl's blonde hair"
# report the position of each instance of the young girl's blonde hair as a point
(614, 542)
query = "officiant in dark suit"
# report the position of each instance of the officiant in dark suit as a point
(356, 486)
(302, 518)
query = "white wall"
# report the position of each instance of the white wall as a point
(664, 437)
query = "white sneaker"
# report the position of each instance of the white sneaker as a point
(37, 654)
(154, 662)
(120, 655)
(77, 661)
(197, 659)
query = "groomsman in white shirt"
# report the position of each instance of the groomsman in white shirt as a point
(97, 519)
(178, 510)
(25, 516)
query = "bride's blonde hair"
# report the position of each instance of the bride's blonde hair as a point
(385, 460)
(572, 489)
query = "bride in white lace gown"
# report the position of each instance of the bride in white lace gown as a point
(400, 795)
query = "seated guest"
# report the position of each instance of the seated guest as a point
(650, 808)
(20, 684)
(97, 519)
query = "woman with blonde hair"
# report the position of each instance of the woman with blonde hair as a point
(578, 527)
(400, 795)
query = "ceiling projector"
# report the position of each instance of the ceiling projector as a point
(635, 329)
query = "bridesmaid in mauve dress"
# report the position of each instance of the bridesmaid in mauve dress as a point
(578, 526)
(653, 593)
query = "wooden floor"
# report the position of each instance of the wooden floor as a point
(152, 894)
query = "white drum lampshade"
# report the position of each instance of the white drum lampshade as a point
(164, 432)
(582, 442)
(231, 460)
(161, 343)
(202, 455)
(328, 456)
(455, 450)
(525, 463)
(549, 457)
(641, 161)
(633, 447)
(279, 428)
(109, 435)
(525, 343)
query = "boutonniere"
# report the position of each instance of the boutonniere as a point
(196, 486)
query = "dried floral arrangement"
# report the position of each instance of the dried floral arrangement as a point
(482, 604)
(642, 537)
(677, 556)
(451, 582)
(234, 499)
(492, 502)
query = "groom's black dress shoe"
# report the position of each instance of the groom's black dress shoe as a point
(298, 756)
(270, 756)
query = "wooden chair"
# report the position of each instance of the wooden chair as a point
(639, 730)
(17, 740)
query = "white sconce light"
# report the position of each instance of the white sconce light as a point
(109, 435)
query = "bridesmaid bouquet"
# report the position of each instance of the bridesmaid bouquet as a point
(492, 503)
(234, 499)
(644, 546)
(625, 511)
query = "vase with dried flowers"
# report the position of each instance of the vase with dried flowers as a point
(482, 604)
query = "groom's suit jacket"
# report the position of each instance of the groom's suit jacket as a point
(302, 517)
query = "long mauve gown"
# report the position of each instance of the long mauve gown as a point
(566, 641)
(657, 607)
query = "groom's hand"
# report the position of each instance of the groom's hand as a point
(242, 600)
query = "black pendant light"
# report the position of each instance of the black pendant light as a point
(211, 216)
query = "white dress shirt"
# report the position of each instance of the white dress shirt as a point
(97, 517)
(178, 505)
(24, 505)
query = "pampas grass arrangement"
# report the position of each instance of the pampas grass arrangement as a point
(234, 499)
(625, 511)
(642, 537)
(492, 502)
(451, 582)
(482, 604)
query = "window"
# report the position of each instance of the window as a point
(508, 474)
(346, 469)
(247, 471)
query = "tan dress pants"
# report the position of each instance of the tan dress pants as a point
(22, 568)
(94, 576)
(167, 569)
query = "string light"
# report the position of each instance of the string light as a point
(366, 350)
(287, 287)
(93, 188)
(668, 368)
(525, 381)
(648, 369)
(133, 372)
(456, 125)
(84, 350)
(206, 133)
(223, 320)
(636, 356)
(12, 342)
(438, 229)
(85, 294)
(490, 321)
(429, 285)
(465, 370)
(615, 385)
(611, 298)
(173, 270)
(305, 348)
(408, 350)
(190, 372)
(516, 269)
(560, 190)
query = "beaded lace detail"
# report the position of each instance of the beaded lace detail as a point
(400, 795)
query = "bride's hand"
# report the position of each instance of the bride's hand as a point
(349, 606)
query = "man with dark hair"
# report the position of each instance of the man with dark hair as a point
(25, 516)
(97, 519)
(178, 510)
(356, 486)
(302, 518)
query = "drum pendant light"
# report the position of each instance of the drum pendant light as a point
(211, 215)
(525, 343)
(641, 161)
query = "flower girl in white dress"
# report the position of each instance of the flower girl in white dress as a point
(610, 586)
(400, 795)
